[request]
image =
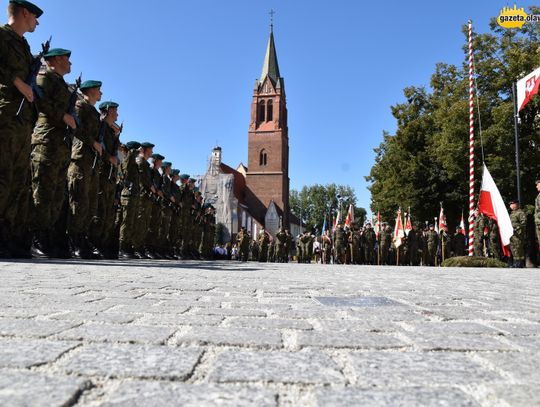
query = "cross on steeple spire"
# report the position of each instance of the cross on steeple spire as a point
(272, 12)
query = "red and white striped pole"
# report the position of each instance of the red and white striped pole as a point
(471, 145)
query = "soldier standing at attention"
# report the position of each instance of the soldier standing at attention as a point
(102, 227)
(264, 240)
(537, 213)
(517, 241)
(386, 242)
(281, 242)
(432, 239)
(243, 244)
(83, 180)
(146, 190)
(153, 226)
(51, 153)
(369, 240)
(15, 134)
(166, 211)
(458, 243)
(339, 244)
(129, 199)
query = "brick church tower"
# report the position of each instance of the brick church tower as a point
(267, 178)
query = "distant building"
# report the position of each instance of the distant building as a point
(258, 195)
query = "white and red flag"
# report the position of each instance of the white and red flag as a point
(408, 222)
(442, 219)
(350, 216)
(399, 233)
(492, 205)
(462, 223)
(527, 87)
(337, 220)
(378, 224)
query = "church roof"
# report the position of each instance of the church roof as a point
(270, 65)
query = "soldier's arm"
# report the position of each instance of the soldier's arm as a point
(11, 65)
(537, 211)
(50, 104)
(83, 132)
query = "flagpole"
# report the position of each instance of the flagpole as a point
(516, 140)
(471, 145)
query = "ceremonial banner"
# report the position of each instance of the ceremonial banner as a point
(527, 88)
(399, 233)
(442, 219)
(350, 216)
(408, 223)
(491, 204)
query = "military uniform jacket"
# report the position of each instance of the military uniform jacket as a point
(166, 186)
(145, 175)
(156, 179)
(83, 151)
(131, 175)
(15, 62)
(187, 199)
(281, 238)
(50, 128)
(110, 142)
(537, 212)
(519, 220)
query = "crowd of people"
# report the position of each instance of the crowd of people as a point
(68, 186)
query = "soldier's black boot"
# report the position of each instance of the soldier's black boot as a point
(40, 245)
(4, 250)
(74, 247)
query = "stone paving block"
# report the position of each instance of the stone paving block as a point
(450, 328)
(142, 394)
(458, 342)
(24, 353)
(226, 336)
(180, 319)
(227, 312)
(118, 318)
(525, 342)
(412, 396)
(524, 366)
(119, 333)
(146, 309)
(304, 367)
(10, 312)
(267, 323)
(29, 389)
(357, 325)
(515, 395)
(139, 361)
(518, 328)
(32, 328)
(349, 339)
(402, 369)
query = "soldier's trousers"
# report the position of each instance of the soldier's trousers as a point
(174, 230)
(130, 208)
(152, 239)
(83, 186)
(144, 214)
(164, 226)
(185, 232)
(49, 165)
(517, 248)
(102, 224)
(19, 190)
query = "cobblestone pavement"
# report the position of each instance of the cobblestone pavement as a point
(200, 333)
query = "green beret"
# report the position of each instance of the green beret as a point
(147, 144)
(107, 105)
(32, 8)
(133, 145)
(57, 52)
(184, 177)
(192, 180)
(90, 84)
(157, 156)
(166, 163)
(175, 172)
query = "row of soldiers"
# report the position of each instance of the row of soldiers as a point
(68, 186)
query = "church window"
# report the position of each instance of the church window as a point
(261, 111)
(269, 111)
(263, 158)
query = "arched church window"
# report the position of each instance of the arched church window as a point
(269, 111)
(263, 158)
(260, 113)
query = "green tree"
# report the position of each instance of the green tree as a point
(312, 204)
(426, 161)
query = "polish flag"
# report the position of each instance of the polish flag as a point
(491, 204)
(462, 223)
(442, 219)
(527, 88)
(408, 223)
(399, 233)
(350, 216)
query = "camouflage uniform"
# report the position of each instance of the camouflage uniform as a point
(15, 135)
(369, 240)
(187, 201)
(386, 242)
(263, 246)
(145, 204)
(243, 244)
(339, 245)
(537, 218)
(480, 223)
(129, 200)
(517, 241)
(432, 240)
(152, 234)
(50, 155)
(281, 238)
(166, 216)
(83, 180)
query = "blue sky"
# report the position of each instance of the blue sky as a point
(183, 71)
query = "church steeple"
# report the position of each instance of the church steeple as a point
(270, 65)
